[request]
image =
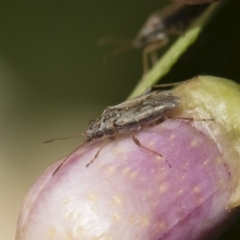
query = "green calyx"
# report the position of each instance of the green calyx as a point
(214, 105)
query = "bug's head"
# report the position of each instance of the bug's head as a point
(152, 31)
(93, 132)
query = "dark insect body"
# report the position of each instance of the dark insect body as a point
(132, 115)
(135, 114)
(172, 20)
(195, 2)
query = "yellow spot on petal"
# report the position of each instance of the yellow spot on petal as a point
(117, 200)
(162, 169)
(118, 150)
(69, 215)
(162, 226)
(132, 219)
(157, 156)
(117, 217)
(124, 156)
(94, 208)
(111, 169)
(193, 143)
(70, 236)
(163, 188)
(149, 192)
(152, 171)
(180, 191)
(106, 237)
(145, 221)
(186, 164)
(183, 177)
(79, 231)
(126, 170)
(133, 174)
(142, 179)
(161, 175)
(93, 197)
(151, 144)
(52, 232)
(67, 202)
(205, 162)
(218, 160)
(154, 204)
(172, 137)
(199, 201)
(196, 189)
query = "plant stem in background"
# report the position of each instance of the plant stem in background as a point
(164, 65)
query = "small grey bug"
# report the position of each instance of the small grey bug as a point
(132, 115)
(172, 20)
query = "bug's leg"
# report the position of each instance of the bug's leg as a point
(123, 46)
(62, 138)
(98, 152)
(67, 157)
(145, 61)
(139, 144)
(177, 32)
(115, 41)
(191, 119)
(164, 85)
(153, 57)
(149, 49)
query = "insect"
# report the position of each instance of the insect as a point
(172, 20)
(135, 114)
(193, 2)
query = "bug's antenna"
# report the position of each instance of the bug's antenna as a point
(61, 138)
(118, 51)
(98, 152)
(113, 41)
(125, 45)
(67, 157)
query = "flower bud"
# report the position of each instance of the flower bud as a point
(187, 191)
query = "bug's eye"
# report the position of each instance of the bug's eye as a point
(99, 134)
(87, 137)
(93, 124)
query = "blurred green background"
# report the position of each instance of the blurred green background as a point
(53, 80)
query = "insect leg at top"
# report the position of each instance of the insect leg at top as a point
(172, 20)
(155, 33)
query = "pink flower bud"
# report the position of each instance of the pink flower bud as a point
(131, 193)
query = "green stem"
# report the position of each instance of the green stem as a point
(163, 66)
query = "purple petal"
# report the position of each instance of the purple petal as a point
(131, 193)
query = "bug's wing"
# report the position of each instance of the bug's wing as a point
(157, 98)
(180, 18)
(151, 109)
(129, 103)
